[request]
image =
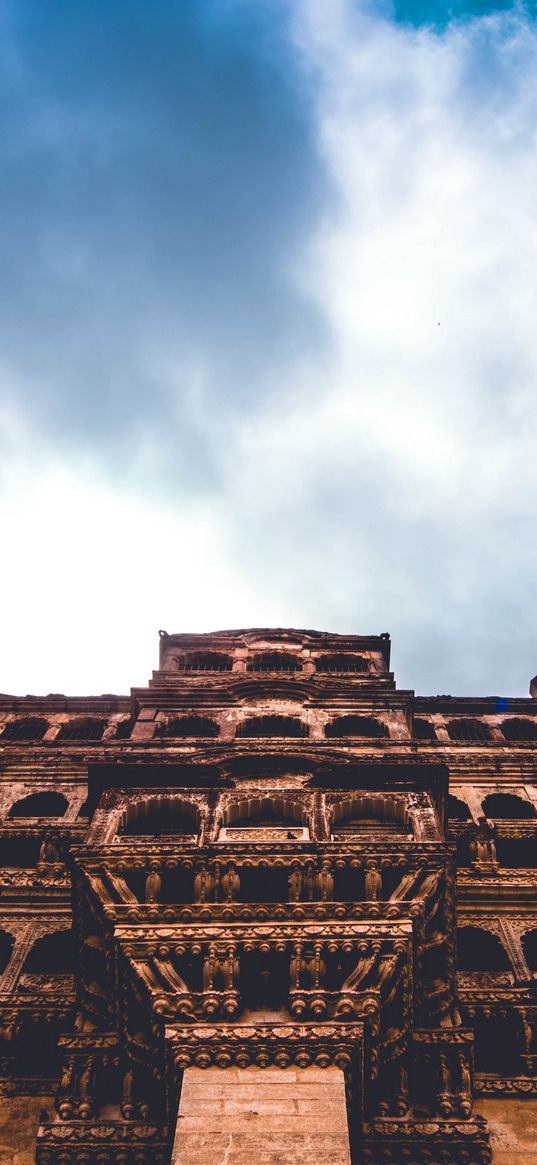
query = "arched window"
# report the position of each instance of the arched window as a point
(458, 810)
(53, 954)
(356, 726)
(274, 661)
(7, 942)
(508, 807)
(40, 805)
(160, 817)
(423, 730)
(478, 950)
(124, 729)
(261, 813)
(467, 729)
(204, 661)
(191, 726)
(341, 664)
(27, 728)
(82, 729)
(529, 946)
(370, 817)
(519, 728)
(272, 726)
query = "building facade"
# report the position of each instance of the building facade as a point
(268, 907)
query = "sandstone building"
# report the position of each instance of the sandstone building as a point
(268, 909)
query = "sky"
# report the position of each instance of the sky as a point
(268, 342)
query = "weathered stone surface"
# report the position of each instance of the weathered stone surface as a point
(19, 1118)
(513, 1129)
(272, 1117)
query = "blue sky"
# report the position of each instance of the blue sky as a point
(268, 351)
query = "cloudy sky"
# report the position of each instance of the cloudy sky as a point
(268, 332)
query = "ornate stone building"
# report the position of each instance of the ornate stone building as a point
(268, 908)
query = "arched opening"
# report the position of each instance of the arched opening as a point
(86, 729)
(342, 664)
(370, 817)
(458, 810)
(256, 812)
(272, 726)
(124, 729)
(160, 817)
(28, 728)
(7, 942)
(204, 661)
(508, 807)
(53, 954)
(467, 729)
(423, 729)
(519, 728)
(355, 726)
(274, 661)
(40, 805)
(479, 950)
(186, 726)
(529, 946)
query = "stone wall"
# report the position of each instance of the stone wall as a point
(19, 1120)
(513, 1129)
(270, 1116)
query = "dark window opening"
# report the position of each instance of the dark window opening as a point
(204, 661)
(518, 728)
(341, 664)
(40, 805)
(478, 950)
(423, 730)
(458, 810)
(161, 823)
(466, 729)
(495, 1047)
(19, 853)
(191, 726)
(28, 728)
(86, 730)
(274, 661)
(517, 853)
(54, 954)
(272, 726)
(355, 726)
(124, 729)
(508, 807)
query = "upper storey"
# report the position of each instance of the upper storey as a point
(275, 652)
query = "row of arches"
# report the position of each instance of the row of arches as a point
(162, 814)
(499, 806)
(279, 726)
(287, 662)
(86, 729)
(468, 729)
